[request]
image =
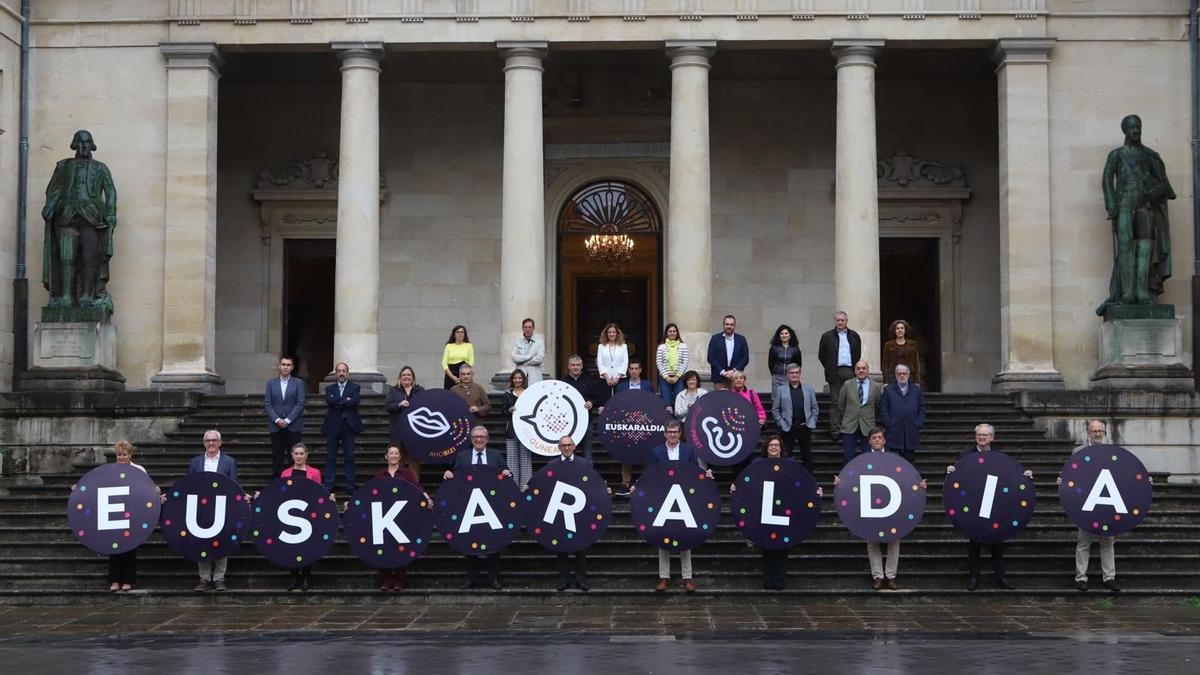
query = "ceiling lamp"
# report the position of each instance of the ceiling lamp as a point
(608, 249)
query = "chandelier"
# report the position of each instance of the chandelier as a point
(609, 249)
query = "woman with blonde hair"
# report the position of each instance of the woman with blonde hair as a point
(612, 355)
(738, 386)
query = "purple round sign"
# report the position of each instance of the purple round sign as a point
(294, 521)
(631, 425)
(206, 516)
(723, 427)
(675, 506)
(113, 508)
(388, 523)
(567, 507)
(775, 503)
(437, 426)
(880, 497)
(1105, 490)
(988, 498)
(478, 511)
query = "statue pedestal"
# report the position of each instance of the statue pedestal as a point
(74, 356)
(1142, 354)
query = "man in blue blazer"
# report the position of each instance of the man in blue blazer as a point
(727, 351)
(212, 574)
(480, 455)
(284, 404)
(674, 449)
(342, 424)
(902, 412)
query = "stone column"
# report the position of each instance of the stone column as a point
(856, 198)
(522, 215)
(1026, 318)
(356, 280)
(190, 227)
(688, 237)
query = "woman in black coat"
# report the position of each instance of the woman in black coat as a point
(397, 404)
(785, 349)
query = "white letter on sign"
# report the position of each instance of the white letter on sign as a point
(381, 521)
(284, 513)
(1105, 483)
(578, 501)
(675, 507)
(866, 508)
(769, 518)
(104, 508)
(989, 496)
(218, 523)
(478, 511)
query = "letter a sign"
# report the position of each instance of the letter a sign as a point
(1105, 490)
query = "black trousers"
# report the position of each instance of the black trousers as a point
(281, 450)
(122, 568)
(908, 454)
(973, 554)
(798, 438)
(302, 572)
(566, 569)
(774, 569)
(493, 567)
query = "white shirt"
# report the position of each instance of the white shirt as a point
(283, 385)
(844, 349)
(673, 453)
(567, 459)
(729, 349)
(478, 456)
(635, 385)
(210, 463)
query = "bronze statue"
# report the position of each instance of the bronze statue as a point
(1136, 191)
(80, 215)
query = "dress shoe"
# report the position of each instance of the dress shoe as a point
(973, 583)
(385, 587)
(496, 586)
(1081, 585)
(1003, 583)
(689, 586)
(304, 584)
(562, 586)
(1111, 585)
(295, 584)
(204, 585)
(661, 586)
(876, 584)
(398, 586)
(582, 585)
(891, 584)
(219, 585)
(114, 587)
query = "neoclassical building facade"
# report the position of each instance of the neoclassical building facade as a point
(348, 179)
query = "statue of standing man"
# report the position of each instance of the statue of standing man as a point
(80, 215)
(1136, 191)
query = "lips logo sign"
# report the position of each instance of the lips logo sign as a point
(722, 444)
(428, 423)
(547, 411)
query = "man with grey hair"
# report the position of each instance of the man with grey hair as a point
(794, 407)
(593, 398)
(479, 454)
(902, 413)
(212, 574)
(838, 351)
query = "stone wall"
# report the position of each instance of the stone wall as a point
(10, 136)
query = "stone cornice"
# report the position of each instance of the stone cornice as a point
(189, 55)
(1022, 51)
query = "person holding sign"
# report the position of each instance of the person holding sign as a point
(692, 391)
(589, 389)
(301, 575)
(672, 360)
(480, 455)
(984, 435)
(397, 403)
(737, 380)
(519, 456)
(794, 407)
(469, 390)
(858, 401)
(633, 383)
(395, 579)
(569, 575)
(673, 450)
(212, 574)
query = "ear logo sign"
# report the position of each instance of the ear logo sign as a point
(722, 444)
(552, 424)
(428, 423)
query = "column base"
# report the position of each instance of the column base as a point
(204, 383)
(84, 378)
(1027, 380)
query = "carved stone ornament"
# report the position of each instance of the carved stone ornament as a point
(904, 171)
(293, 190)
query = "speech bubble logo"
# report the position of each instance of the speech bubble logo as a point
(428, 423)
(723, 444)
(552, 418)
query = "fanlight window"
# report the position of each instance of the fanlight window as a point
(607, 208)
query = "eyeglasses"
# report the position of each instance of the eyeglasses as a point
(212, 440)
(672, 431)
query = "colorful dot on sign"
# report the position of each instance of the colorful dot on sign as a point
(269, 540)
(255, 533)
(1005, 490)
(995, 526)
(691, 491)
(675, 543)
(299, 558)
(549, 474)
(881, 533)
(1138, 476)
(233, 537)
(214, 484)
(536, 491)
(1114, 458)
(649, 509)
(950, 512)
(328, 516)
(599, 516)
(145, 526)
(80, 533)
(899, 469)
(810, 505)
(878, 500)
(641, 528)
(1014, 523)
(470, 478)
(1021, 486)
(742, 510)
(1095, 524)
(1105, 528)
(670, 472)
(378, 551)
(528, 498)
(910, 516)
(454, 516)
(203, 500)
(554, 542)
(1070, 483)
(1087, 458)
(583, 478)
(358, 502)
(203, 554)
(854, 489)
(216, 543)
(537, 530)
(173, 494)
(320, 500)
(1137, 512)
(593, 526)
(746, 479)
(774, 536)
(1024, 503)
(79, 507)
(893, 530)
(83, 488)
(167, 523)
(741, 523)
(709, 505)
(956, 486)
(183, 533)
(981, 460)
(786, 539)
(1074, 465)
(449, 536)
(966, 509)
(374, 491)
(844, 502)
(870, 466)
(778, 502)
(237, 498)
(395, 490)
(483, 547)
(149, 505)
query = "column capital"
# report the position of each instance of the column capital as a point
(856, 52)
(1022, 51)
(690, 52)
(523, 55)
(188, 55)
(358, 53)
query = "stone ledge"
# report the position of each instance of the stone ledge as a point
(1109, 402)
(98, 403)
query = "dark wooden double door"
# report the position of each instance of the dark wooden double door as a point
(619, 300)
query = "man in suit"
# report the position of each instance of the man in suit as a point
(794, 407)
(727, 352)
(838, 351)
(984, 435)
(672, 450)
(593, 399)
(566, 449)
(902, 413)
(858, 400)
(342, 424)
(212, 574)
(284, 403)
(480, 455)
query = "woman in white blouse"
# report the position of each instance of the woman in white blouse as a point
(687, 397)
(612, 355)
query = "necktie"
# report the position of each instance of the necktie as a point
(479, 458)
(862, 391)
(341, 390)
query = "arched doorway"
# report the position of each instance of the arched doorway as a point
(593, 290)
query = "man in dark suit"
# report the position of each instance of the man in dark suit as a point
(859, 400)
(727, 352)
(566, 449)
(674, 449)
(212, 574)
(902, 413)
(794, 407)
(480, 455)
(284, 403)
(593, 398)
(342, 424)
(838, 351)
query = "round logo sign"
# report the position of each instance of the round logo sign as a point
(723, 427)
(1105, 490)
(113, 508)
(988, 498)
(206, 516)
(775, 504)
(631, 425)
(478, 511)
(294, 522)
(675, 506)
(437, 426)
(879, 497)
(388, 523)
(567, 507)
(547, 411)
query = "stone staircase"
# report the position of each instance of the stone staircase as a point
(40, 561)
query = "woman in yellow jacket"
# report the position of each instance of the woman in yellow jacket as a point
(458, 351)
